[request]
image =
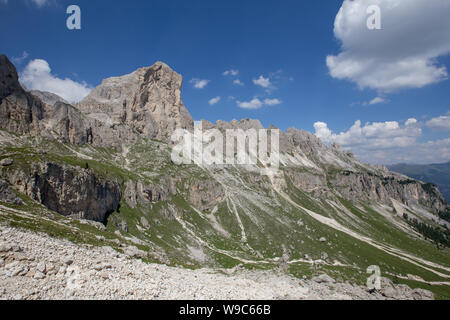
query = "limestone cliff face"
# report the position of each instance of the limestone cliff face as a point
(20, 112)
(366, 186)
(205, 194)
(363, 186)
(309, 144)
(7, 195)
(48, 97)
(67, 124)
(147, 103)
(309, 182)
(147, 100)
(138, 193)
(70, 191)
(25, 113)
(339, 171)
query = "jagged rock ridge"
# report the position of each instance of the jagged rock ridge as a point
(109, 157)
(147, 103)
(147, 100)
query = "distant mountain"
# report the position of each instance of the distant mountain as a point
(438, 174)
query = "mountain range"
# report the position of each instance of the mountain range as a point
(99, 172)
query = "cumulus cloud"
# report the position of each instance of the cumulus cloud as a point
(262, 82)
(238, 82)
(439, 123)
(214, 101)
(231, 72)
(256, 103)
(372, 135)
(402, 55)
(411, 122)
(387, 142)
(38, 76)
(199, 83)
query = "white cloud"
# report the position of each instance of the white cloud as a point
(4, 1)
(262, 82)
(272, 102)
(231, 72)
(214, 101)
(401, 55)
(22, 58)
(375, 135)
(433, 151)
(376, 100)
(256, 103)
(37, 76)
(411, 122)
(323, 132)
(387, 142)
(199, 83)
(238, 82)
(439, 123)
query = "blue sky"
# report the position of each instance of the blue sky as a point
(283, 44)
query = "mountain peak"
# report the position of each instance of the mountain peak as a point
(148, 100)
(9, 78)
(20, 112)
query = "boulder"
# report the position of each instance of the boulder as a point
(145, 223)
(422, 294)
(134, 252)
(41, 267)
(323, 278)
(6, 162)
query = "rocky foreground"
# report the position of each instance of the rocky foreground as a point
(36, 266)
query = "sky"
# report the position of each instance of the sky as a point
(375, 82)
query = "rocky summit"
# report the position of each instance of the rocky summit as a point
(147, 101)
(93, 207)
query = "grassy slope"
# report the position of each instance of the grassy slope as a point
(269, 222)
